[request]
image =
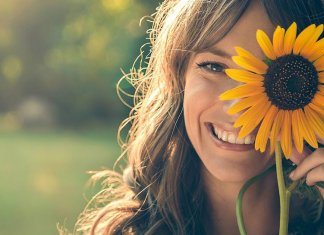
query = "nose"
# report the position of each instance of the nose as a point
(227, 104)
(230, 84)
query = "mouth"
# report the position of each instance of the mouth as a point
(230, 140)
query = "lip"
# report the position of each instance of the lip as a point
(226, 145)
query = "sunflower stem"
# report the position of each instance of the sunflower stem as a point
(284, 194)
(293, 185)
(239, 201)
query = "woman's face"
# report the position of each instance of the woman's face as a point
(229, 159)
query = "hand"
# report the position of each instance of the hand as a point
(309, 165)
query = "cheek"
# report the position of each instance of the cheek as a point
(201, 93)
(199, 97)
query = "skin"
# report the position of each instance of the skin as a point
(224, 171)
(309, 165)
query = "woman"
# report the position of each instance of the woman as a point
(182, 178)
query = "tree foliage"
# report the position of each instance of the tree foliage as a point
(69, 53)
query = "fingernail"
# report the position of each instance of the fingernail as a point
(291, 175)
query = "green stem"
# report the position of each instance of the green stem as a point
(283, 195)
(292, 186)
(239, 200)
(320, 184)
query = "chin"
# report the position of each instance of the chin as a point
(237, 167)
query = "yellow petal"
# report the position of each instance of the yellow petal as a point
(244, 103)
(252, 118)
(315, 121)
(253, 59)
(317, 51)
(319, 110)
(319, 64)
(303, 38)
(296, 130)
(321, 77)
(241, 91)
(265, 44)
(318, 100)
(306, 50)
(251, 113)
(308, 133)
(276, 127)
(321, 89)
(243, 76)
(290, 38)
(278, 41)
(246, 63)
(263, 132)
(285, 139)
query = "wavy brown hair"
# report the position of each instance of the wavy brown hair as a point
(160, 192)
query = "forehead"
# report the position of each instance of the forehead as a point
(243, 33)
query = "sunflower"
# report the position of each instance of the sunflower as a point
(282, 95)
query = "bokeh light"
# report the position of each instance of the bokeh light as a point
(60, 62)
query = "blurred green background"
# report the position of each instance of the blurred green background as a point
(60, 61)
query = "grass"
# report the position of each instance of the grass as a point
(43, 177)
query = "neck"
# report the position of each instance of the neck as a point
(260, 206)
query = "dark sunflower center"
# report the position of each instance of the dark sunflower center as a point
(291, 82)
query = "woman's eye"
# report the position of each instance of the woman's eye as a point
(212, 66)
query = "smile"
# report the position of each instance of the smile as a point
(232, 137)
(229, 140)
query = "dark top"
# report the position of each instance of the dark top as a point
(309, 219)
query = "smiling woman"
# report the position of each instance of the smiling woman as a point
(186, 159)
(224, 160)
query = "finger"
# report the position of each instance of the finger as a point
(315, 175)
(320, 139)
(310, 162)
(297, 157)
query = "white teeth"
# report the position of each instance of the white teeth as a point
(224, 136)
(247, 140)
(219, 134)
(233, 138)
(239, 141)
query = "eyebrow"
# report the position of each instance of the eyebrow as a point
(218, 52)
